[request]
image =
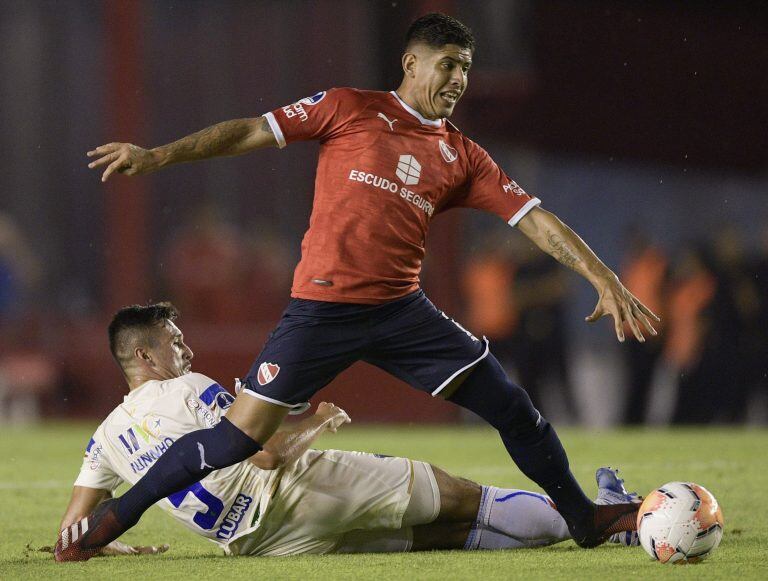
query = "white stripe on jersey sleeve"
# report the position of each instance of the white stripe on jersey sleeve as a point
(275, 127)
(529, 205)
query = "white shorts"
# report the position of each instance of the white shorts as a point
(335, 501)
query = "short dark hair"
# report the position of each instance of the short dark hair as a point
(133, 325)
(437, 29)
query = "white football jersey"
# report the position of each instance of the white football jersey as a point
(224, 505)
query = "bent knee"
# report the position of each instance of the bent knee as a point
(488, 392)
(459, 497)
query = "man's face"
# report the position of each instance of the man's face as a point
(440, 77)
(170, 355)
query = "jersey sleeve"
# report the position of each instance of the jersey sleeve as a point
(491, 190)
(320, 117)
(205, 399)
(96, 471)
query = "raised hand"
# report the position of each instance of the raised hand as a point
(615, 300)
(124, 158)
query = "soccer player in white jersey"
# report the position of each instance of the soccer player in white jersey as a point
(389, 161)
(287, 499)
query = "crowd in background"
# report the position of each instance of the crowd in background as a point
(710, 356)
(711, 352)
(609, 112)
(26, 370)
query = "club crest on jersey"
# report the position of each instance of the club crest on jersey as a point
(314, 99)
(408, 170)
(449, 153)
(267, 372)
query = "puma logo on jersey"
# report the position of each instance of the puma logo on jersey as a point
(390, 123)
(267, 372)
(449, 153)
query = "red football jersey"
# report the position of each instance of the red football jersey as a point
(384, 171)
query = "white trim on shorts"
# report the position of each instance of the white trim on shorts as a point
(433, 484)
(294, 408)
(453, 376)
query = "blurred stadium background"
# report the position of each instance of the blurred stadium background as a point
(641, 124)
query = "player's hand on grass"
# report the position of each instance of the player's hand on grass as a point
(334, 415)
(117, 548)
(615, 300)
(124, 158)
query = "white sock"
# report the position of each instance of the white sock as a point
(510, 518)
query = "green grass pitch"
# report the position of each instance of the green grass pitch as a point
(40, 463)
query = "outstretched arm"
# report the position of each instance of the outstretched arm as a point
(286, 446)
(233, 137)
(555, 238)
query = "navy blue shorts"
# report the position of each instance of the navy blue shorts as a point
(315, 341)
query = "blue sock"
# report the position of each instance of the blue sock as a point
(191, 458)
(530, 440)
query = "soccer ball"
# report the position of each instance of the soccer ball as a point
(681, 522)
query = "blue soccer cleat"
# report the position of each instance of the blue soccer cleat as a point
(611, 491)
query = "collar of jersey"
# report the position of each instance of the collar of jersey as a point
(134, 393)
(415, 113)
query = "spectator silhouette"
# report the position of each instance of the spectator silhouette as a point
(203, 268)
(689, 346)
(20, 270)
(758, 360)
(26, 372)
(516, 297)
(644, 273)
(737, 334)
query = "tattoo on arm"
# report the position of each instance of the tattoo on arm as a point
(561, 251)
(220, 139)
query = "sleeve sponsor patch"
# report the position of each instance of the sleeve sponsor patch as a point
(314, 99)
(297, 108)
(216, 395)
(202, 412)
(94, 456)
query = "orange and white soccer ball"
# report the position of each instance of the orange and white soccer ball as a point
(681, 522)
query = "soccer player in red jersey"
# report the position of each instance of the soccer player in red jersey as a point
(389, 161)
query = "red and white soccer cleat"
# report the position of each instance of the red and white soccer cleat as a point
(606, 520)
(67, 548)
(84, 539)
